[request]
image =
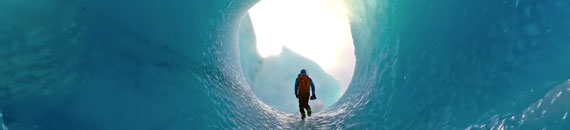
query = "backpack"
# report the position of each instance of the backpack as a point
(304, 84)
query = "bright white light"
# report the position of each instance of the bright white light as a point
(316, 29)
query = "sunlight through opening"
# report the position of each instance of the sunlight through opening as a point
(316, 29)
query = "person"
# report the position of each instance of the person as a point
(302, 84)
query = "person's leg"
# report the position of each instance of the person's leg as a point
(303, 104)
(301, 109)
(308, 110)
(306, 105)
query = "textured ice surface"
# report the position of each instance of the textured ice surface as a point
(175, 64)
(2, 125)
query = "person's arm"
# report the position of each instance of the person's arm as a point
(296, 85)
(312, 86)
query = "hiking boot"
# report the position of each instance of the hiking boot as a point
(303, 117)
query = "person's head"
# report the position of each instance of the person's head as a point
(303, 71)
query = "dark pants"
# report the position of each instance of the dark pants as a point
(304, 103)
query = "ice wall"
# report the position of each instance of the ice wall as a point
(2, 125)
(174, 65)
(119, 64)
(250, 60)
